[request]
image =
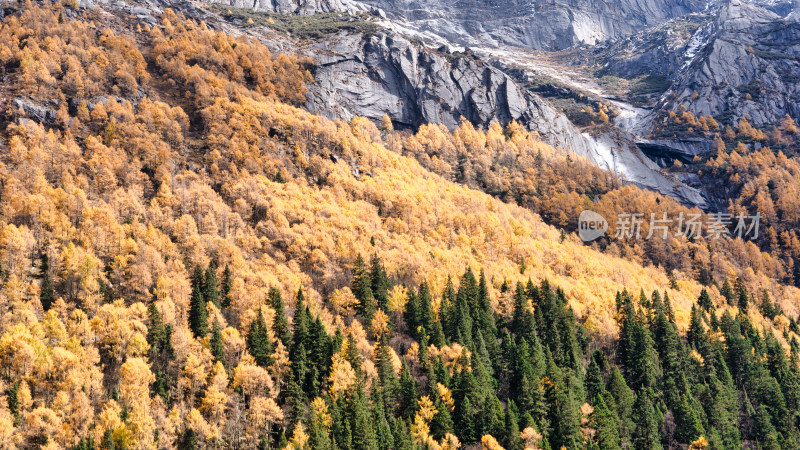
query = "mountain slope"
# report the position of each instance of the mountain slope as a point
(544, 25)
(168, 208)
(748, 67)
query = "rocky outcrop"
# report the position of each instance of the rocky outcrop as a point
(537, 24)
(749, 66)
(41, 113)
(662, 50)
(616, 151)
(387, 74)
(304, 7)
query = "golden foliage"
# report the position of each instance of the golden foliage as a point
(342, 376)
(531, 438)
(380, 324)
(125, 200)
(426, 408)
(446, 396)
(488, 442)
(700, 444)
(398, 297)
(299, 437)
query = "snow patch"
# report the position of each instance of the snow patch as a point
(699, 40)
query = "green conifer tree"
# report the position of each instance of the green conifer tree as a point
(217, 349)
(258, 342)
(362, 289)
(46, 294)
(211, 291)
(704, 301)
(226, 286)
(280, 325)
(606, 435)
(198, 314)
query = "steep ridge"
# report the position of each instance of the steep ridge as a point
(539, 24)
(747, 67)
(662, 50)
(740, 61)
(385, 73)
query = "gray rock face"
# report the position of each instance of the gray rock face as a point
(749, 66)
(42, 113)
(387, 74)
(617, 152)
(663, 49)
(537, 24)
(301, 7)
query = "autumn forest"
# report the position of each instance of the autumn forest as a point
(189, 259)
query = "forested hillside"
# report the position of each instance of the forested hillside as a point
(188, 259)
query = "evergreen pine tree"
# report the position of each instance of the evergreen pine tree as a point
(605, 425)
(696, 331)
(492, 417)
(743, 301)
(563, 414)
(318, 437)
(226, 286)
(296, 399)
(764, 430)
(280, 325)
(409, 393)
(198, 278)
(198, 314)
(46, 295)
(704, 301)
(623, 400)
(411, 314)
(425, 309)
(383, 433)
(641, 358)
(465, 420)
(688, 425)
(109, 444)
(484, 317)
(258, 342)
(523, 321)
(727, 292)
(299, 323)
(158, 335)
(363, 431)
(379, 283)
(189, 440)
(362, 289)
(767, 308)
(594, 380)
(387, 380)
(513, 441)
(160, 385)
(13, 400)
(211, 285)
(217, 349)
(442, 422)
(401, 434)
(645, 434)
